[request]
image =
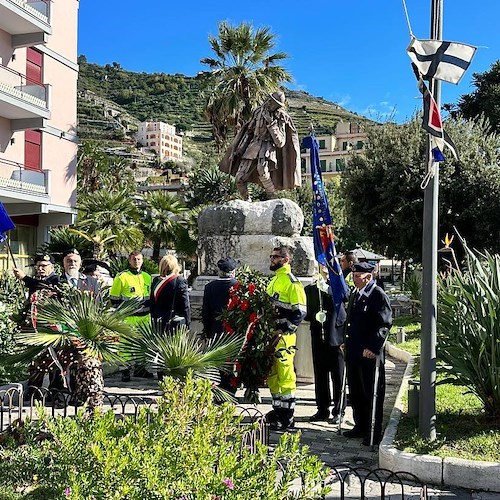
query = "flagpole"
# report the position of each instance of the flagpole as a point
(427, 405)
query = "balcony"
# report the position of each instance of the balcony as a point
(23, 102)
(28, 21)
(18, 182)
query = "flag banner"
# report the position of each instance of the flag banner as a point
(445, 61)
(431, 120)
(6, 223)
(324, 245)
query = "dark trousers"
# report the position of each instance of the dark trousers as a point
(328, 362)
(361, 378)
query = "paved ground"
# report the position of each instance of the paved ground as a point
(324, 440)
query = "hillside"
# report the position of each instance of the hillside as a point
(112, 101)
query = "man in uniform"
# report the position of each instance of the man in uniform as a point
(44, 274)
(327, 336)
(369, 319)
(347, 261)
(72, 262)
(216, 297)
(289, 300)
(129, 284)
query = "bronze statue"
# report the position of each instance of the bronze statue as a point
(266, 150)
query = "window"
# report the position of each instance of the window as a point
(33, 149)
(152, 136)
(359, 145)
(322, 164)
(344, 146)
(339, 165)
(322, 144)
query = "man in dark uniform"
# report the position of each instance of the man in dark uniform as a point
(216, 297)
(369, 319)
(215, 300)
(327, 335)
(44, 275)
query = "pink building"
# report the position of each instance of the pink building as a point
(161, 138)
(38, 142)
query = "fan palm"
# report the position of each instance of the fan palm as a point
(87, 326)
(164, 216)
(243, 72)
(177, 353)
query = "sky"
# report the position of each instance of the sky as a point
(349, 52)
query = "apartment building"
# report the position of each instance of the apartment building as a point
(334, 150)
(161, 138)
(38, 143)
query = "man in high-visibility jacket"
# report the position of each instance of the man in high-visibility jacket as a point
(289, 300)
(129, 284)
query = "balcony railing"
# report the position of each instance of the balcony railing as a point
(37, 8)
(18, 85)
(15, 176)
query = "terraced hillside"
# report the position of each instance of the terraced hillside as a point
(112, 101)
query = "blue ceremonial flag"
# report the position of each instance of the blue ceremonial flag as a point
(6, 223)
(324, 245)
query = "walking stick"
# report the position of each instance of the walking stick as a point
(342, 397)
(375, 391)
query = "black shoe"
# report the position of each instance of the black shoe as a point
(320, 416)
(376, 441)
(355, 433)
(337, 418)
(282, 427)
(272, 417)
(125, 375)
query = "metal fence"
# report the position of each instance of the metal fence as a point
(18, 404)
(363, 483)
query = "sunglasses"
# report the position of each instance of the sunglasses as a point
(276, 257)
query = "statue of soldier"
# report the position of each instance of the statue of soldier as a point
(266, 150)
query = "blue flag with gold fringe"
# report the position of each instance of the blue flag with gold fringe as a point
(6, 223)
(324, 244)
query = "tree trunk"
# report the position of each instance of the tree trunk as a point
(89, 382)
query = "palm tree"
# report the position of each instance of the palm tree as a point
(182, 351)
(243, 72)
(164, 217)
(88, 327)
(112, 218)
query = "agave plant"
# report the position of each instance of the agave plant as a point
(87, 327)
(176, 354)
(469, 327)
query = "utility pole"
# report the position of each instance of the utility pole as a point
(427, 407)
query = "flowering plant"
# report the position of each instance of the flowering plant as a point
(250, 311)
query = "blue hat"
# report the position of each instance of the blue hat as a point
(363, 267)
(227, 264)
(44, 258)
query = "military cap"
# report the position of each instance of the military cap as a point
(70, 251)
(44, 258)
(363, 267)
(227, 264)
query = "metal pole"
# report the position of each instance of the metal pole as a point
(427, 407)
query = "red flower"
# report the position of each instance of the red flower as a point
(253, 317)
(233, 302)
(227, 327)
(245, 304)
(235, 287)
(251, 288)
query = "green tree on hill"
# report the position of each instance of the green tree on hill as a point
(243, 72)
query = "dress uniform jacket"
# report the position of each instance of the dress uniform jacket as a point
(215, 299)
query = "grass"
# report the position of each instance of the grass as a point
(463, 430)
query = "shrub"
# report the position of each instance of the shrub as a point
(469, 327)
(190, 449)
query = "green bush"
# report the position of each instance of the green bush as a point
(469, 327)
(190, 449)
(12, 302)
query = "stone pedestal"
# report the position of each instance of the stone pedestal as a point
(248, 232)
